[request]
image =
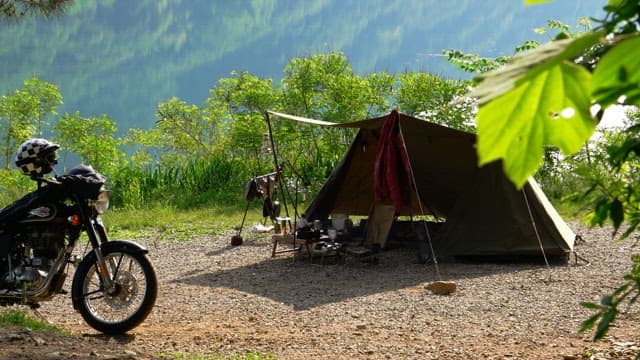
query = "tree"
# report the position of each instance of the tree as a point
(239, 102)
(23, 114)
(16, 9)
(92, 139)
(186, 131)
(435, 99)
(546, 97)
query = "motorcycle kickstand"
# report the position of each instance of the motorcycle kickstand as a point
(38, 314)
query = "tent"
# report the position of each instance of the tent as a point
(432, 169)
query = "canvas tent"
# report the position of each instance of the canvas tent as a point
(485, 214)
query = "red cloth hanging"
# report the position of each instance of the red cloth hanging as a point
(392, 171)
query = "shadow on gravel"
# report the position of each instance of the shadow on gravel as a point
(303, 285)
(224, 249)
(120, 339)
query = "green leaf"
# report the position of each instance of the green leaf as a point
(601, 209)
(590, 305)
(616, 213)
(605, 322)
(618, 74)
(494, 84)
(548, 108)
(631, 229)
(590, 322)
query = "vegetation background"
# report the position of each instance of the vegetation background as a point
(121, 58)
(167, 97)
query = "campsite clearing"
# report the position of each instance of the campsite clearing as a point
(219, 299)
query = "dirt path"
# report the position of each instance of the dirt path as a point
(219, 299)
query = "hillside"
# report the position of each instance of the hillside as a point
(121, 58)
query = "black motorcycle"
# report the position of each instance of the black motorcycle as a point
(114, 286)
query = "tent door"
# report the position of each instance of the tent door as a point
(379, 224)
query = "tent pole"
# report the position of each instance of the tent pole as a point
(535, 229)
(275, 162)
(426, 228)
(277, 169)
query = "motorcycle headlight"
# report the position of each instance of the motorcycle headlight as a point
(102, 203)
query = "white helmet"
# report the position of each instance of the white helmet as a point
(36, 157)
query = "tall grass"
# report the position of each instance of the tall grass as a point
(199, 182)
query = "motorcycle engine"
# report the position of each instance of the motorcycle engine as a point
(33, 252)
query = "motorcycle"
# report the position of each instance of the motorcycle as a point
(114, 286)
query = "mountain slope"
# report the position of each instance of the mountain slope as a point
(121, 58)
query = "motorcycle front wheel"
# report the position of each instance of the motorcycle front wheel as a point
(128, 304)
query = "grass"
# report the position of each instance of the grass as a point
(177, 225)
(22, 320)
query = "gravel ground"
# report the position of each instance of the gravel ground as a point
(218, 299)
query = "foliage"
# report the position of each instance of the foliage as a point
(607, 310)
(545, 97)
(23, 114)
(473, 62)
(15, 9)
(198, 182)
(438, 100)
(186, 131)
(322, 86)
(477, 64)
(13, 184)
(240, 102)
(507, 124)
(196, 155)
(92, 138)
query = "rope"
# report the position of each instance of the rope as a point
(535, 229)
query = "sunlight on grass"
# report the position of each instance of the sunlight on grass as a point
(20, 319)
(168, 224)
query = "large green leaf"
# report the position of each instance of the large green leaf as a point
(550, 107)
(495, 83)
(618, 74)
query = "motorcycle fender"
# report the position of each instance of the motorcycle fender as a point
(121, 245)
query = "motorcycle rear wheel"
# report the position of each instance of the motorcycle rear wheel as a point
(136, 288)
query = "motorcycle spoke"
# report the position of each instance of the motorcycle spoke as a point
(97, 291)
(117, 266)
(130, 285)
